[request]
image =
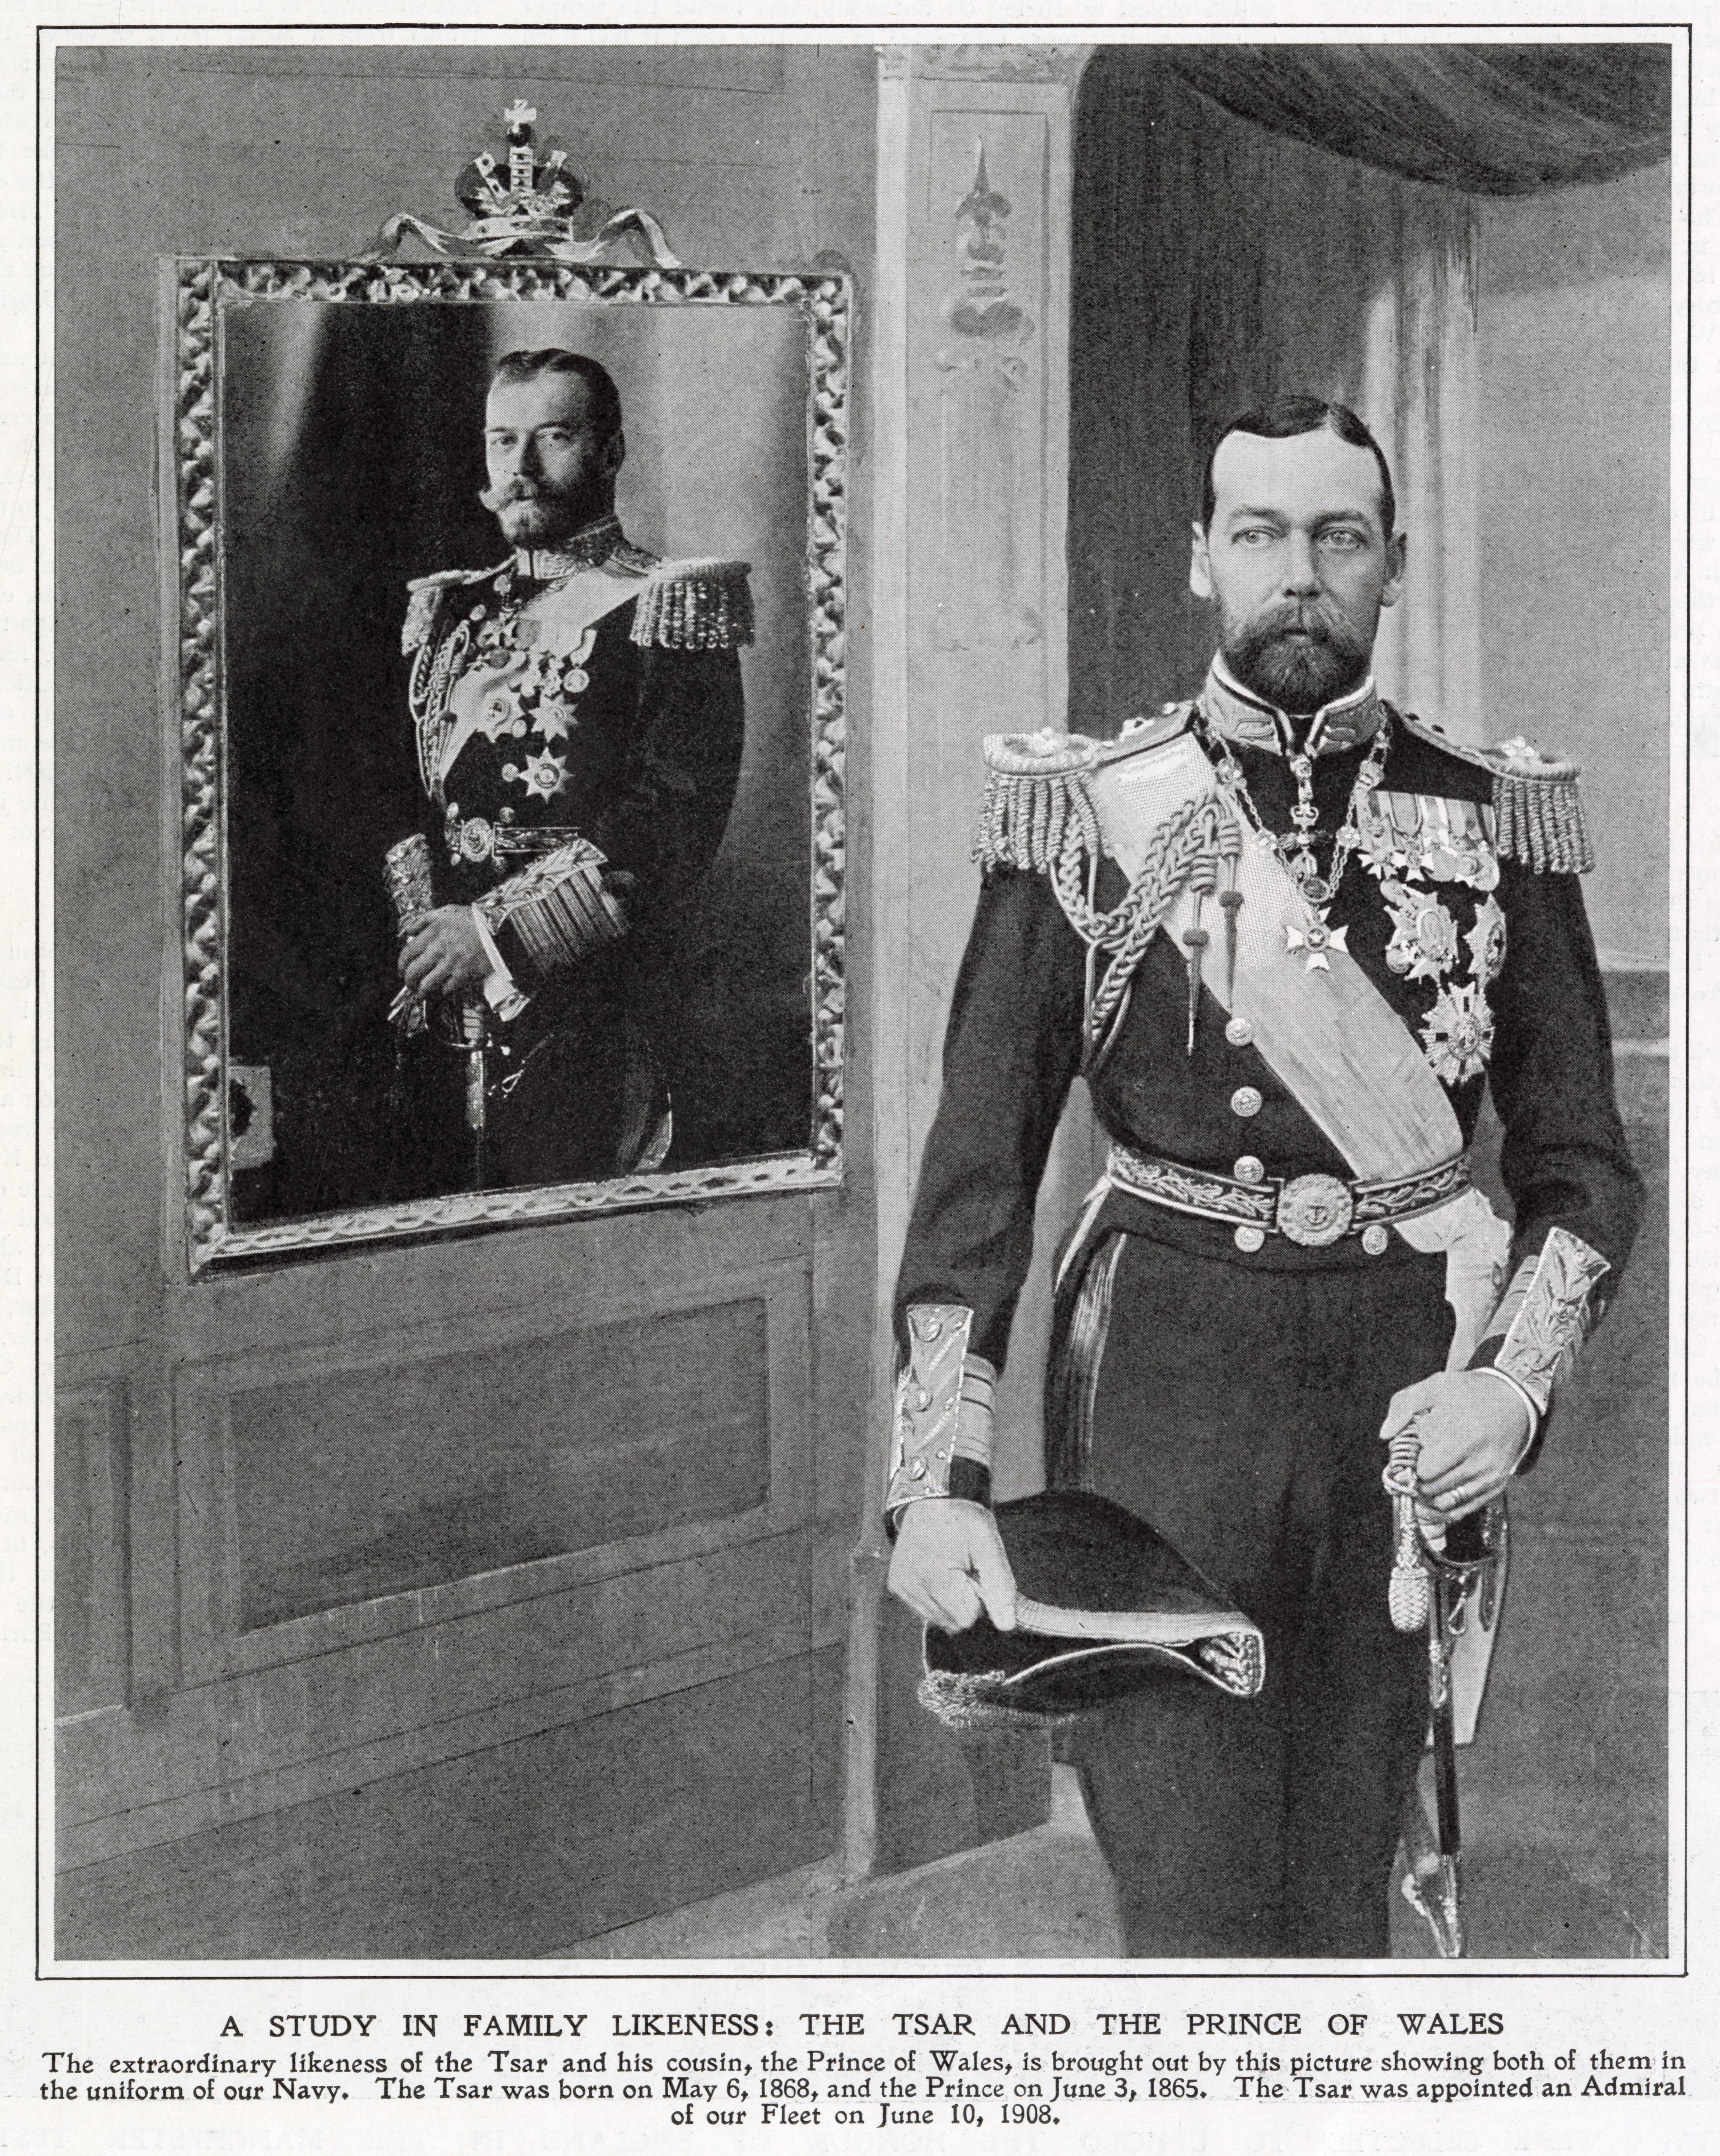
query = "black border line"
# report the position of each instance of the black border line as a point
(789, 1970)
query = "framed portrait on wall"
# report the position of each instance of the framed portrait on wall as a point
(409, 694)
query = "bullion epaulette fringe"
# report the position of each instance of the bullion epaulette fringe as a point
(695, 606)
(426, 595)
(1035, 792)
(1538, 811)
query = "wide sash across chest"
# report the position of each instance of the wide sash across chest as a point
(1325, 1031)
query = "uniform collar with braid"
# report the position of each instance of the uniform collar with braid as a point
(1240, 716)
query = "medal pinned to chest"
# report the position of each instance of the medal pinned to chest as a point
(1437, 867)
(523, 696)
(526, 668)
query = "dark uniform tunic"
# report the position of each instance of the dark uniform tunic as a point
(1234, 1397)
(579, 737)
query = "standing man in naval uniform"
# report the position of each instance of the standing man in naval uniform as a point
(579, 716)
(1288, 935)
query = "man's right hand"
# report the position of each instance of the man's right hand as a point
(949, 1563)
(442, 952)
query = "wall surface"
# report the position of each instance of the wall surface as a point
(244, 1738)
(1574, 610)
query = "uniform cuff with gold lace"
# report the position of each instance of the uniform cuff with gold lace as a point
(1532, 1340)
(941, 1433)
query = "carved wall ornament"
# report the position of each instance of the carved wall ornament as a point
(530, 205)
(1030, 60)
(983, 372)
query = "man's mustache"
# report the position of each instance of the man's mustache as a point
(1309, 621)
(1312, 622)
(512, 490)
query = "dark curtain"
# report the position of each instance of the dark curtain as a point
(1492, 120)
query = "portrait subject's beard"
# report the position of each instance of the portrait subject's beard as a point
(1297, 657)
(532, 513)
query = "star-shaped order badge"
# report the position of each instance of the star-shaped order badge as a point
(1457, 1033)
(544, 774)
(1486, 942)
(1317, 939)
(1424, 943)
(554, 719)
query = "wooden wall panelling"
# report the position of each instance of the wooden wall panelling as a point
(273, 1700)
(91, 1609)
(278, 1736)
(970, 398)
(435, 1379)
(757, 155)
(519, 1849)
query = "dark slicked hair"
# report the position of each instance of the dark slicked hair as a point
(553, 359)
(1285, 417)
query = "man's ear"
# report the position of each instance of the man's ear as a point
(1397, 548)
(615, 453)
(1199, 565)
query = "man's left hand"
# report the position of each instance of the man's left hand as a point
(444, 953)
(1473, 1429)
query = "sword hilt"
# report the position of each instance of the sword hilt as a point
(1409, 1596)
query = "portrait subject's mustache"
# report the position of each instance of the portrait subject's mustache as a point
(512, 491)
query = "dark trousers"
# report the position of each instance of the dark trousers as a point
(1238, 1410)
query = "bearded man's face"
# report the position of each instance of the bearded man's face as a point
(551, 473)
(1298, 564)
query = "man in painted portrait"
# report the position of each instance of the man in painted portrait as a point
(579, 717)
(1289, 935)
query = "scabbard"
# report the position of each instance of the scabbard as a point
(1445, 1751)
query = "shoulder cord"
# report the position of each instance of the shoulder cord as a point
(1193, 835)
(433, 668)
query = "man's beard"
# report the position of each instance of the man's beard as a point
(1297, 657)
(533, 515)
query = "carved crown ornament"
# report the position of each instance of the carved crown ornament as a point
(528, 204)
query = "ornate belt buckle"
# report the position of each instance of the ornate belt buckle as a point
(1315, 1210)
(477, 839)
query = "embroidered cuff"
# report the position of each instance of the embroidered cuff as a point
(501, 990)
(941, 1437)
(1547, 1313)
(560, 909)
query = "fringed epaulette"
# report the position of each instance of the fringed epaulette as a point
(695, 606)
(1537, 809)
(1036, 789)
(426, 595)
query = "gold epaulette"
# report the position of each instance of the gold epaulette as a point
(1035, 787)
(426, 595)
(695, 606)
(1537, 809)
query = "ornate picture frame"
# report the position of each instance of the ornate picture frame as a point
(697, 334)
